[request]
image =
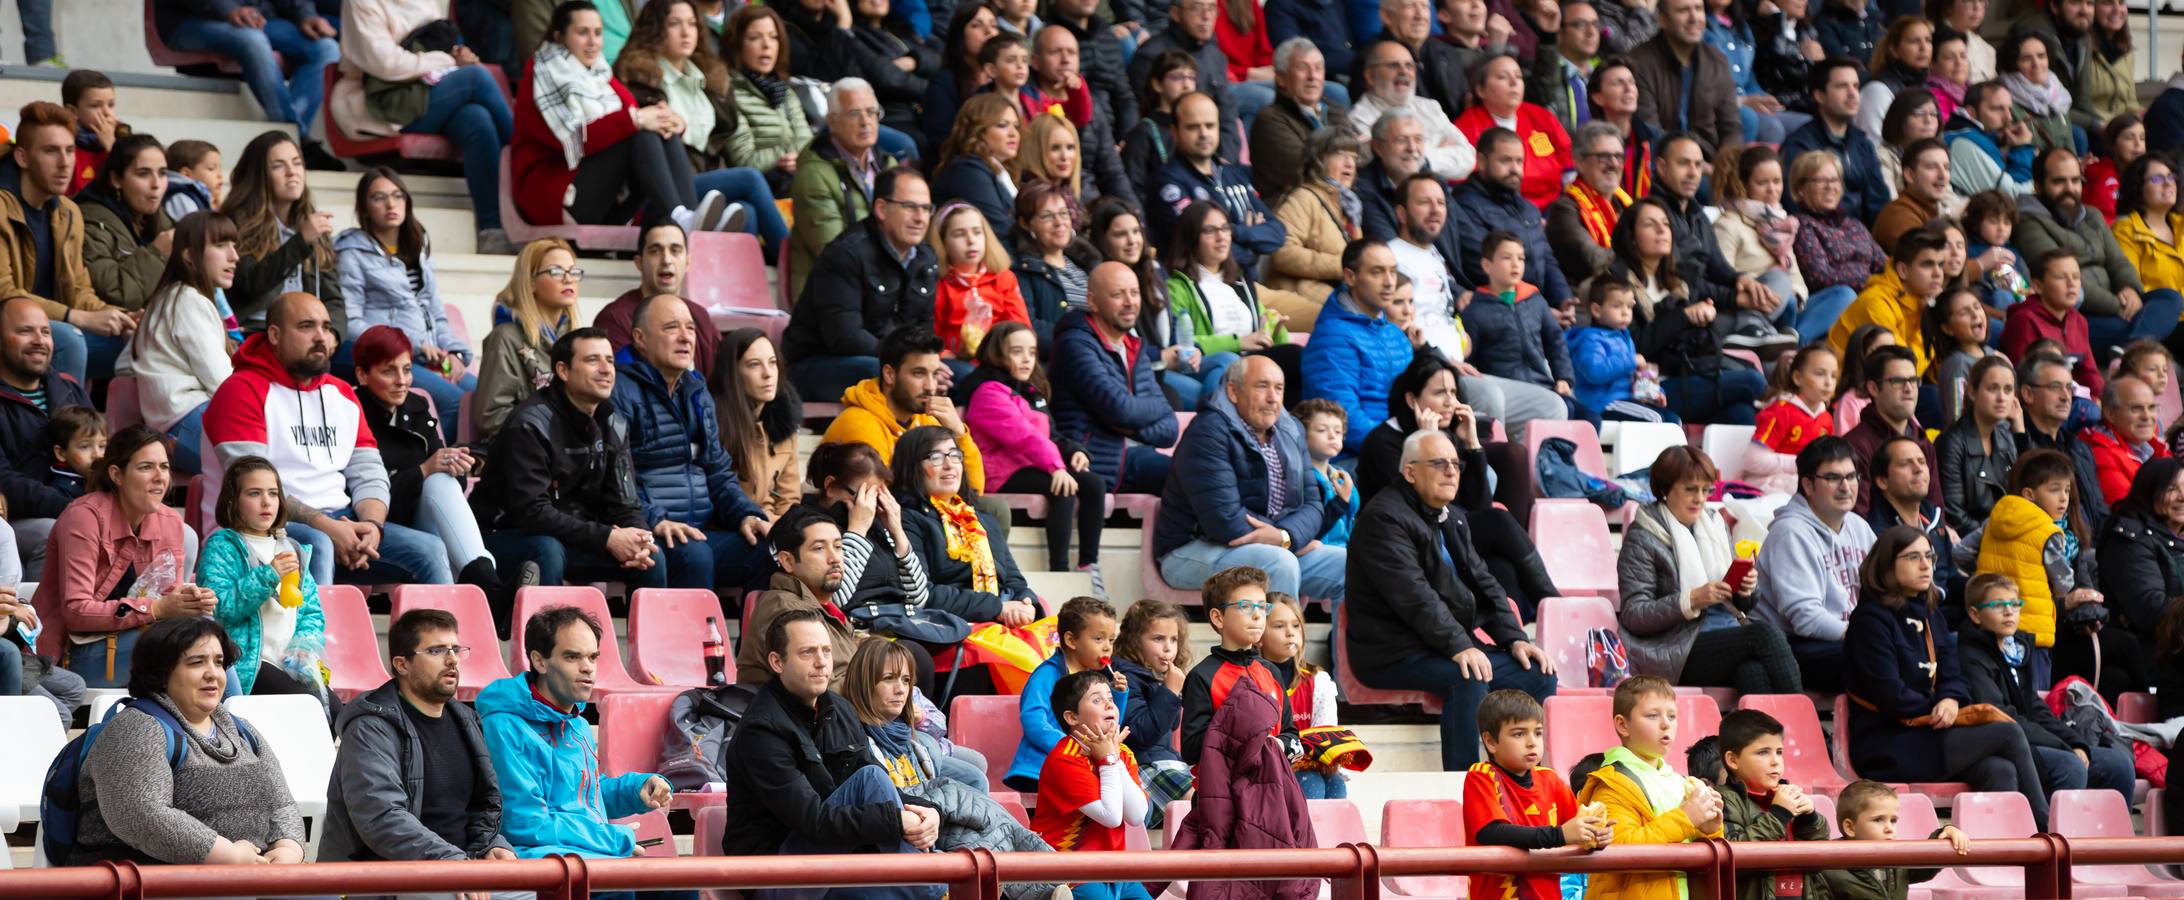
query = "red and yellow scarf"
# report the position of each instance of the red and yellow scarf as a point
(1599, 213)
(967, 542)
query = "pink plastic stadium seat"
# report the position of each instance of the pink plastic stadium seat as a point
(1589, 457)
(989, 725)
(2137, 707)
(1943, 793)
(1013, 802)
(457, 324)
(123, 407)
(611, 677)
(2104, 813)
(1573, 541)
(1156, 587)
(667, 636)
(630, 726)
(1806, 760)
(1697, 716)
(1578, 726)
(1424, 823)
(653, 825)
(2001, 815)
(1354, 690)
(1824, 806)
(732, 272)
(587, 237)
(1564, 623)
(474, 625)
(1336, 822)
(352, 644)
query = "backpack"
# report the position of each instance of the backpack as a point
(1606, 662)
(1560, 477)
(694, 746)
(60, 801)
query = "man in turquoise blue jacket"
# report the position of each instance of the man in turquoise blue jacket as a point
(554, 798)
(1355, 351)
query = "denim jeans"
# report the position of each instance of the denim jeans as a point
(744, 185)
(188, 434)
(1144, 471)
(868, 786)
(295, 100)
(406, 555)
(2060, 770)
(724, 561)
(11, 669)
(1726, 400)
(558, 563)
(1460, 695)
(2154, 322)
(447, 396)
(467, 108)
(37, 19)
(1818, 312)
(822, 379)
(1319, 785)
(1317, 575)
(444, 512)
(83, 354)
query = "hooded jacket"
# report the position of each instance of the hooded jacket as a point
(1421, 587)
(1041, 726)
(1351, 359)
(2114, 459)
(1808, 573)
(376, 286)
(2160, 264)
(1890, 678)
(1884, 302)
(868, 419)
(24, 454)
(555, 798)
(178, 355)
(560, 473)
(859, 291)
(123, 263)
(683, 470)
(1188, 301)
(72, 285)
(1631, 813)
(379, 786)
(1102, 400)
(1155, 716)
(1219, 477)
(227, 567)
(311, 429)
(1659, 623)
(2087, 236)
(2030, 320)
(1310, 259)
(1247, 799)
(783, 763)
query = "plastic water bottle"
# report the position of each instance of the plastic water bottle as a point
(291, 592)
(716, 654)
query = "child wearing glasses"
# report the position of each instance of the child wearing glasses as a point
(269, 603)
(1993, 656)
(1236, 605)
(2037, 535)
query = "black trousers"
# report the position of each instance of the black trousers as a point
(1088, 508)
(273, 679)
(1753, 658)
(656, 171)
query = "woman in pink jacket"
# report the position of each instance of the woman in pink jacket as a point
(1007, 411)
(117, 560)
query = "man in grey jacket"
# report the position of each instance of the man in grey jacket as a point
(1808, 565)
(413, 780)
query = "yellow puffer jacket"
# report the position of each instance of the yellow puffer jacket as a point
(1883, 302)
(2015, 544)
(1635, 823)
(867, 419)
(2160, 265)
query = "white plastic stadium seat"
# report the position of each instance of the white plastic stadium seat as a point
(294, 725)
(34, 738)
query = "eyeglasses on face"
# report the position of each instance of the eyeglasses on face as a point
(2000, 603)
(444, 651)
(1443, 464)
(1251, 606)
(561, 273)
(943, 457)
(1915, 556)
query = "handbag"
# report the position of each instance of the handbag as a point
(1606, 662)
(922, 624)
(399, 103)
(1968, 715)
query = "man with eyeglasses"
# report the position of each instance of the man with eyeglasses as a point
(1903, 481)
(875, 278)
(1391, 83)
(412, 780)
(1421, 592)
(2046, 394)
(836, 176)
(1190, 29)
(2117, 307)
(2128, 435)
(1808, 565)
(1581, 221)
(1833, 83)
(1892, 380)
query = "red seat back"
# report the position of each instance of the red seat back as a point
(667, 632)
(1577, 727)
(473, 624)
(1573, 541)
(1805, 759)
(630, 726)
(989, 725)
(352, 644)
(2137, 707)
(1564, 623)
(1424, 823)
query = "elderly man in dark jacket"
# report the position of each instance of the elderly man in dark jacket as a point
(26, 371)
(686, 481)
(1300, 107)
(1706, 103)
(1491, 201)
(1106, 395)
(1242, 494)
(1190, 29)
(1421, 591)
(413, 780)
(877, 276)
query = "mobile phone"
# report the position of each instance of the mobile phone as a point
(1737, 571)
(651, 842)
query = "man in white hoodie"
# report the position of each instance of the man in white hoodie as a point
(1808, 565)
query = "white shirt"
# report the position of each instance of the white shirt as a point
(1448, 153)
(1435, 293)
(276, 623)
(1226, 311)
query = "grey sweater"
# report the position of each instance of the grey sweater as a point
(135, 807)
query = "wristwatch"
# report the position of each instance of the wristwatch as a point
(1285, 540)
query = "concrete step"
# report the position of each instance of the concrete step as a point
(337, 190)
(140, 96)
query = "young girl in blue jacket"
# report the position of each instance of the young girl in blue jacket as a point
(269, 602)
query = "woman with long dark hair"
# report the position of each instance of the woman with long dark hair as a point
(1221, 305)
(973, 573)
(389, 279)
(1682, 334)
(774, 129)
(118, 559)
(669, 59)
(286, 240)
(181, 355)
(2148, 226)
(126, 233)
(760, 415)
(960, 75)
(978, 159)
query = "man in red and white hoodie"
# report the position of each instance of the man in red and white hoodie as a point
(281, 405)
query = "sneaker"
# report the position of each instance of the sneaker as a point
(1099, 585)
(495, 242)
(711, 208)
(1763, 340)
(52, 62)
(318, 159)
(734, 218)
(686, 218)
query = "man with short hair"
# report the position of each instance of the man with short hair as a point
(1054, 64)
(282, 405)
(1444, 60)
(1892, 380)
(873, 279)
(1493, 200)
(1747, 309)
(686, 481)
(1809, 563)
(1195, 173)
(1390, 82)
(2044, 392)
(2117, 309)
(1925, 193)
(1100, 46)
(41, 244)
(1242, 494)
(560, 491)
(1833, 83)
(910, 390)
(800, 773)
(1423, 590)
(1581, 222)
(30, 390)
(1398, 149)
(555, 796)
(1300, 107)
(814, 556)
(413, 780)
(663, 267)
(836, 176)
(1355, 352)
(1576, 49)
(1897, 299)
(1190, 29)
(2128, 434)
(1684, 83)
(1902, 483)
(1106, 394)
(1996, 153)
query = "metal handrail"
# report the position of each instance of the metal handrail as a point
(1354, 869)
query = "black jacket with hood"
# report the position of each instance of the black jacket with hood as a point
(379, 786)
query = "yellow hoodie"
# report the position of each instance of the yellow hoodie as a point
(1883, 302)
(1631, 812)
(867, 419)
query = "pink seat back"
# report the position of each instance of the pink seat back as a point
(1564, 623)
(123, 408)
(1356, 691)
(1579, 726)
(1991, 814)
(1572, 536)
(2095, 813)
(457, 323)
(1824, 807)
(1424, 823)
(611, 675)
(989, 725)
(2137, 707)
(1697, 717)
(473, 624)
(1336, 822)
(1589, 459)
(653, 825)
(667, 632)
(1806, 760)
(728, 269)
(352, 644)
(630, 726)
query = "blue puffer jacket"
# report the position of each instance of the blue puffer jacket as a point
(554, 799)
(1605, 361)
(683, 471)
(1219, 477)
(1095, 396)
(376, 286)
(1351, 360)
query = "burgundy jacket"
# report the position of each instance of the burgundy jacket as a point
(1246, 800)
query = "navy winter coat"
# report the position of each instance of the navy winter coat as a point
(683, 470)
(1218, 477)
(1480, 207)
(1177, 185)
(1096, 399)
(1883, 652)
(1325, 22)
(24, 458)
(1520, 341)
(968, 179)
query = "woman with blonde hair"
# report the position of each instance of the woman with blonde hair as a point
(978, 161)
(1052, 151)
(538, 304)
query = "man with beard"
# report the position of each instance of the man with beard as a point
(1399, 151)
(1996, 154)
(559, 491)
(1391, 83)
(1833, 84)
(1808, 565)
(1106, 395)
(30, 390)
(911, 390)
(412, 780)
(1684, 83)
(281, 405)
(1197, 172)
(1582, 220)
(663, 264)
(811, 551)
(2070, 24)
(1494, 201)
(2117, 310)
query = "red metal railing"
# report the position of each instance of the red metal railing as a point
(1354, 869)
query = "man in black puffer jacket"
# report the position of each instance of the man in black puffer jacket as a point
(878, 275)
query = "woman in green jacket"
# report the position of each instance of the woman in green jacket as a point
(126, 236)
(1220, 305)
(2108, 81)
(773, 128)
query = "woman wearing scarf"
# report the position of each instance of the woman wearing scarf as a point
(1613, 92)
(774, 129)
(973, 575)
(582, 142)
(1833, 248)
(1682, 619)
(126, 236)
(1900, 62)
(1322, 216)
(1757, 234)
(1949, 77)
(2037, 96)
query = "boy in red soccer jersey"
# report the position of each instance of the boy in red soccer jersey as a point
(1088, 789)
(1513, 801)
(1236, 604)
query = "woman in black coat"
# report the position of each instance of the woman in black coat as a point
(883, 41)
(978, 160)
(2139, 561)
(965, 554)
